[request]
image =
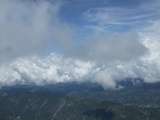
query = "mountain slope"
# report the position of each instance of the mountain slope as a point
(68, 102)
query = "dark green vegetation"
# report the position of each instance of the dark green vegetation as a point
(79, 102)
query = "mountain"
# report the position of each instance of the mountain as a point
(79, 101)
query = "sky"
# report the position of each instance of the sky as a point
(101, 41)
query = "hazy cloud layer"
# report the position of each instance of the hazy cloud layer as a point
(122, 47)
(30, 27)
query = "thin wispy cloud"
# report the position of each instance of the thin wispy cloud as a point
(120, 16)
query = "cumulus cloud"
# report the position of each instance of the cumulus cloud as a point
(146, 67)
(49, 70)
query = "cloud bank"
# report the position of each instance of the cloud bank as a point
(37, 47)
(40, 71)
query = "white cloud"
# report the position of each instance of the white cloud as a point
(40, 71)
